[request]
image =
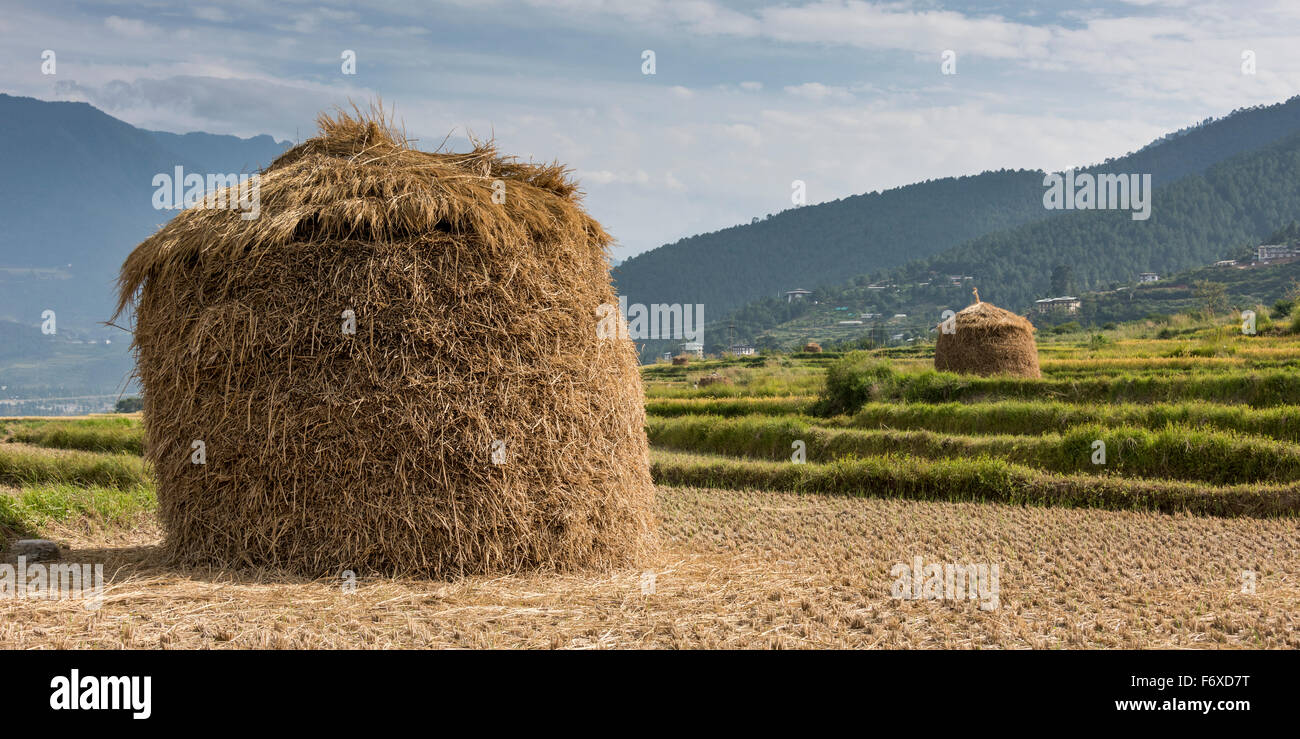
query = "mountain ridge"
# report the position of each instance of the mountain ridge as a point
(76, 195)
(1196, 220)
(819, 245)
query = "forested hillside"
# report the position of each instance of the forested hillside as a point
(819, 245)
(1243, 201)
(1193, 221)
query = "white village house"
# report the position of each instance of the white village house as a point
(1065, 304)
(1273, 252)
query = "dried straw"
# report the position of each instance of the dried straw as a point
(988, 340)
(475, 324)
(713, 379)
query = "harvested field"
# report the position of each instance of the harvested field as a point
(740, 569)
(1199, 491)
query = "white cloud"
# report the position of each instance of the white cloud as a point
(718, 135)
(701, 16)
(817, 91)
(318, 19)
(200, 103)
(207, 13)
(131, 27)
(607, 177)
(873, 26)
(742, 132)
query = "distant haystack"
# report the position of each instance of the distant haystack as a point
(682, 360)
(984, 339)
(395, 367)
(812, 347)
(713, 379)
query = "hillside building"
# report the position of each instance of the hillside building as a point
(1066, 304)
(1272, 252)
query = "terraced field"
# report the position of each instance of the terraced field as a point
(790, 492)
(1125, 423)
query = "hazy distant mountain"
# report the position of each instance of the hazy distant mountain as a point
(225, 154)
(828, 243)
(76, 195)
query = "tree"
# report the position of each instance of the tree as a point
(1293, 292)
(1212, 295)
(1062, 280)
(128, 405)
(1285, 235)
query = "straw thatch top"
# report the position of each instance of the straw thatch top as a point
(986, 316)
(360, 180)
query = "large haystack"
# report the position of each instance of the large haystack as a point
(473, 423)
(986, 340)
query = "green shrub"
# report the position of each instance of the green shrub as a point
(128, 405)
(854, 379)
(1263, 324)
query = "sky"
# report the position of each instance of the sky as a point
(845, 96)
